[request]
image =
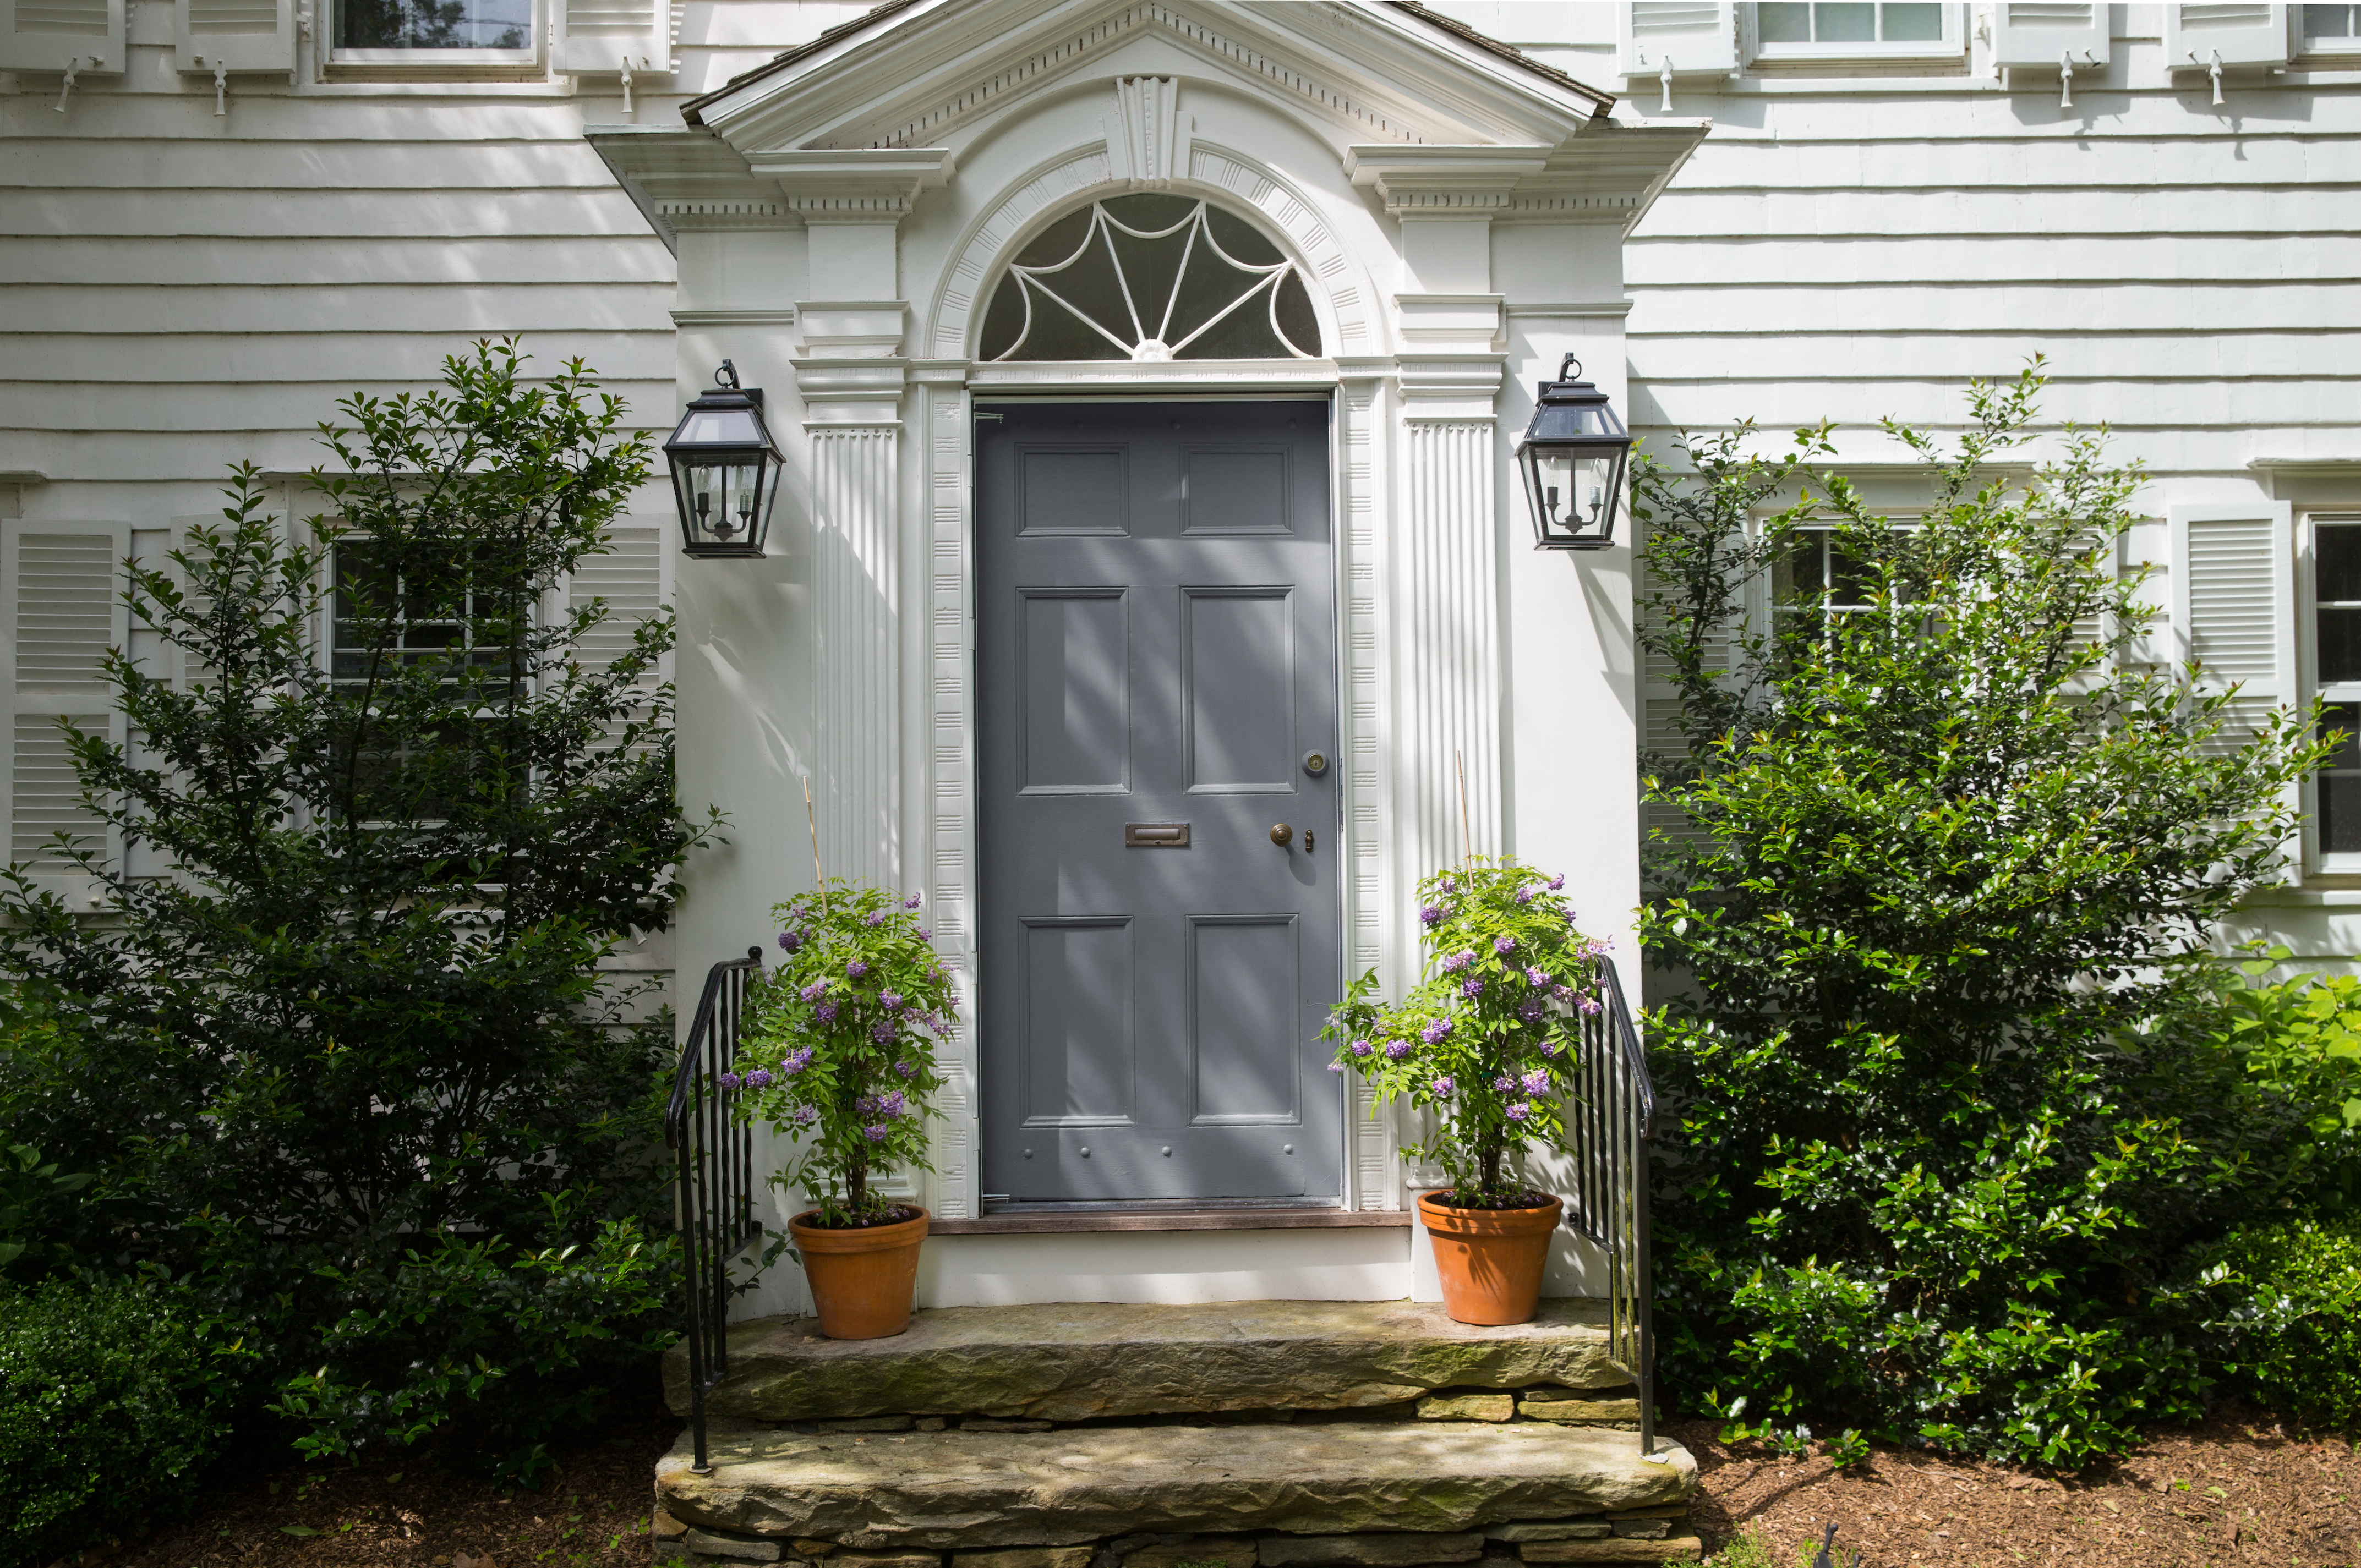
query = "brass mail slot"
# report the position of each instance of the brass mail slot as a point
(1155, 835)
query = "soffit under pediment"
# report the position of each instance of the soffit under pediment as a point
(927, 74)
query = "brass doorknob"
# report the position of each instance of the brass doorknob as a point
(1282, 835)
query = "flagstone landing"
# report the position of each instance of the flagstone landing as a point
(954, 1489)
(1094, 1361)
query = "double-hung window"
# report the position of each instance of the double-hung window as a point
(1857, 30)
(382, 628)
(411, 34)
(2336, 677)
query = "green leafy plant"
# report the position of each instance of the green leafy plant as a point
(1942, 1042)
(2300, 1039)
(1849, 1448)
(114, 1398)
(366, 1010)
(517, 1344)
(838, 1045)
(29, 1186)
(1486, 1041)
(2293, 1323)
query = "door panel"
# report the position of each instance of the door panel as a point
(1237, 694)
(1243, 977)
(1074, 701)
(1071, 490)
(1156, 647)
(1077, 1022)
(1235, 492)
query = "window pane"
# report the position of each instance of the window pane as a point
(1848, 580)
(1913, 24)
(434, 24)
(2340, 645)
(1844, 24)
(2340, 785)
(1802, 572)
(2328, 21)
(2336, 563)
(1783, 23)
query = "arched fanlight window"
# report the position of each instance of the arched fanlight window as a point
(1147, 278)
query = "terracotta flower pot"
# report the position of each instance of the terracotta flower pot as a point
(861, 1280)
(1490, 1260)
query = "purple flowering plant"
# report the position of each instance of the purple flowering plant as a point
(1486, 1042)
(837, 1046)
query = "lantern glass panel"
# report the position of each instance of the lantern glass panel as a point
(725, 503)
(719, 427)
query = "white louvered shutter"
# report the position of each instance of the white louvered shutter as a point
(1697, 37)
(2239, 34)
(236, 35)
(606, 38)
(630, 577)
(2037, 32)
(2232, 597)
(60, 590)
(52, 35)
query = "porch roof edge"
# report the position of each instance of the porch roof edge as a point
(1602, 103)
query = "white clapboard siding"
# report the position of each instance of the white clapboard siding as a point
(611, 36)
(83, 35)
(59, 591)
(2042, 32)
(2197, 35)
(235, 35)
(1694, 38)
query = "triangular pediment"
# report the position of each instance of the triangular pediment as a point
(930, 73)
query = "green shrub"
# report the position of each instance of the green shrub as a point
(503, 1347)
(1952, 1106)
(369, 1011)
(2296, 1332)
(111, 1404)
(2300, 1040)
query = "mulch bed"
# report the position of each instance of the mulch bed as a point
(2238, 1489)
(591, 1512)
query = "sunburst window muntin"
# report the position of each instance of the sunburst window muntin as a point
(1149, 278)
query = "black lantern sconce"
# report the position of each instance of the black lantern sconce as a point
(725, 471)
(1572, 456)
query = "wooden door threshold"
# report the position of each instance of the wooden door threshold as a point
(1035, 1221)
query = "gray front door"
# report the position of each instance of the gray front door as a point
(1159, 657)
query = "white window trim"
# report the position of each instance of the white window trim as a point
(2309, 685)
(1951, 49)
(531, 64)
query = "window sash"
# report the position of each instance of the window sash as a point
(527, 53)
(2334, 804)
(1823, 16)
(2328, 29)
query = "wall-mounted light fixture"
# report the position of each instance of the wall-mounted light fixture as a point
(1571, 457)
(725, 470)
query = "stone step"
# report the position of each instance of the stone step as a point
(1086, 1361)
(952, 1490)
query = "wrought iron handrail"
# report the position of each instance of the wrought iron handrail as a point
(713, 1204)
(1611, 1120)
